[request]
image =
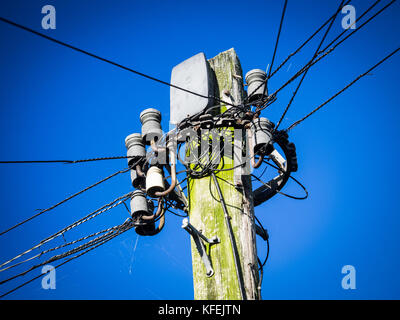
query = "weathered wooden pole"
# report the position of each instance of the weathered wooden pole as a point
(207, 213)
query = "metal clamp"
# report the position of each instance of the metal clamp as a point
(197, 236)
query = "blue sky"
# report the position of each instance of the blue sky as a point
(58, 104)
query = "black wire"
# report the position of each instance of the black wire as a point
(343, 32)
(236, 257)
(205, 168)
(309, 65)
(216, 170)
(64, 161)
(277, 39)
(218, 200)
(35, 161)
(262, 173)
(63, 201)
(126, 207)
(70, 259)
(108, 61)
(341, 91)
(273, 55)
(175, 213)
(59, 247)
(290, 177)
(261, 269)
(116, 202)
(305, 73)
(305, 42)
(100, 239)
(266, 258)
(267, 241)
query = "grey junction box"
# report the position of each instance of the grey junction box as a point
(192, 74)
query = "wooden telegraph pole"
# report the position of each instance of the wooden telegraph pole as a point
(233, 259)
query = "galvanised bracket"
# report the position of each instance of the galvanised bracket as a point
(198, 238)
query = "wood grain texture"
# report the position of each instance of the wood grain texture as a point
(206, 212)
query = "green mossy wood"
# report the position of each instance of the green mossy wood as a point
(206, 212)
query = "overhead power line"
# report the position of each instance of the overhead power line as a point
(330, 50)
(273, 55)
(63, 161)
(109, 61)
(116, 202)
(210, 162)
(305, 42)
(277, 39)
(120, 229)
(343, 32)
(63, 201)
(305, 73)
(59, 247)
(341, 91)
(66, 254)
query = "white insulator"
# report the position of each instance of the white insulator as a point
(154, 181)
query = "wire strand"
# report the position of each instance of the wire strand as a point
(305, 73)
(277, 39)
(273, 55)
(116, 202)
(63, 201)
(309, 65)
(341, 91)
(304, 43)
(70, 259)
(108, 61)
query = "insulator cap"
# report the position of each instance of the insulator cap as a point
(138, 204)
(151, 124)
(135, 148)
(154, 181)
(256, 84)
(262, 134)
